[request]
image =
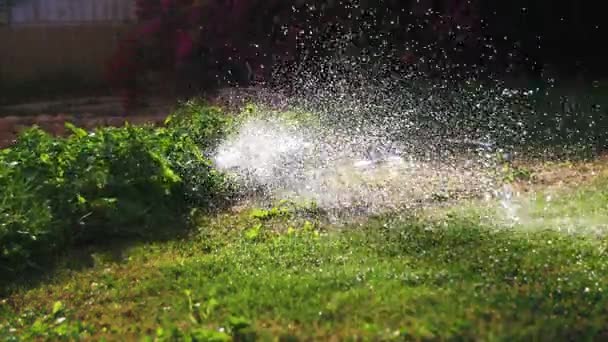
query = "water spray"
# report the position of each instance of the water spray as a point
(383, 138)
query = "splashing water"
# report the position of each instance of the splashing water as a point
(511, 208)
(380, 142)
(386, 138)
(343, 171)
(262, 151)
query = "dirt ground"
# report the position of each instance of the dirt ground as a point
(556, 174)
(83, 112)
(91, 112)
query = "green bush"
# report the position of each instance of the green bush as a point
(203, 124)
(106, 184)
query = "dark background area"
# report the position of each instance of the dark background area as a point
(540, 39)
(559, 39)
(568, 34)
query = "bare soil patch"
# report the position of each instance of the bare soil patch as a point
(87, 112)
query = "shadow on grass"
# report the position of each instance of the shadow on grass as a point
(86, 254)
(78, 258)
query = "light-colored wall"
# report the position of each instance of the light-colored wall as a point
(61, 12)
(48, 37)
(34, 52)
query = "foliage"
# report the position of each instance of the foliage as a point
(384, 278)
(110, 183)
(203, 124)
(45, 325)
(294, 117)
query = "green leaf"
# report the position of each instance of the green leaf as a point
(81, 200)
(57, 308)
(106, 202)
(202, 334)
(254, 232)
(237, 323)
(78, 132)
(259, 213)
(211, 305)
(45, 158)
(170, 175)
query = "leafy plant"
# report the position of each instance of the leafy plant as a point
(197, 334)
(512, 173)
(56, 325)
(267, 214)
(110, 183)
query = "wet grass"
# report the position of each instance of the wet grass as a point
(582, 210)
(289, 274)
(569, 197)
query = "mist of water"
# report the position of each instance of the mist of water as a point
(346, 170)
(381, 140)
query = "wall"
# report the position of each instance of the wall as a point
(33, 51)
(53, 12)
(49, 37)
(4, 12)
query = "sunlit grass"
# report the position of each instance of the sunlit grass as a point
(263, 274)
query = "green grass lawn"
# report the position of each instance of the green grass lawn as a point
(287, 274)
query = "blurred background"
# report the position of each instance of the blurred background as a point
(119, 57)
(52, 48)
